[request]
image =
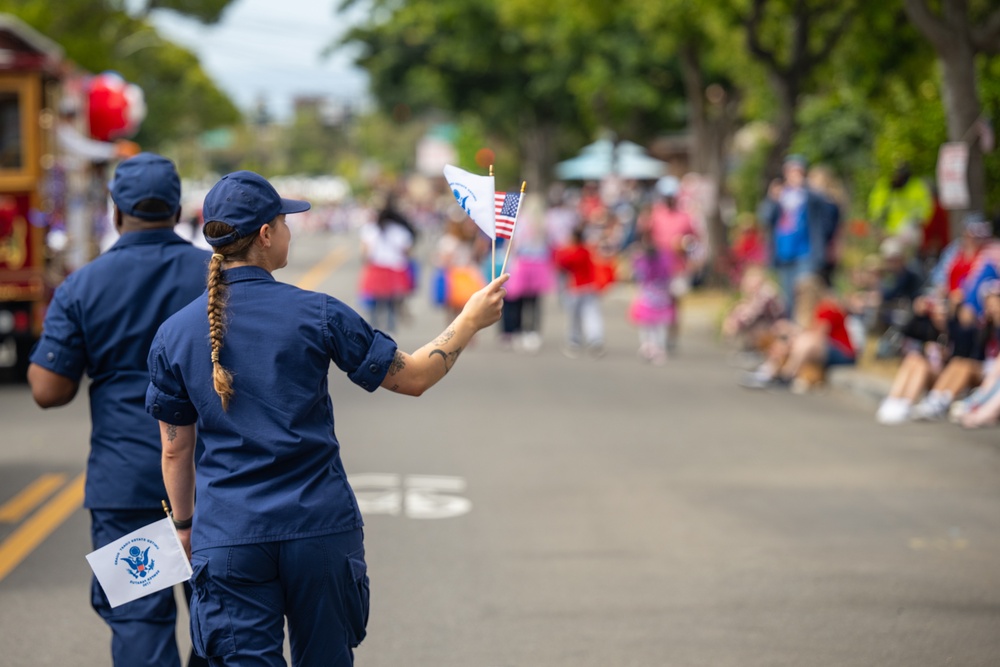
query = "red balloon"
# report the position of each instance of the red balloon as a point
(116, 107)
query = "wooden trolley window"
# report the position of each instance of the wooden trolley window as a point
(19, 138)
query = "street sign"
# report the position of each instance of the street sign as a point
(952, 165)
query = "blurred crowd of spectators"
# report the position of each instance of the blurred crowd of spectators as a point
(928, 300)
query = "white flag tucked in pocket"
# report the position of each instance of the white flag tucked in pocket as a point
(143, 562)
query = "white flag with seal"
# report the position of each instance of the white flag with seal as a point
(475, 196)
(143, 562)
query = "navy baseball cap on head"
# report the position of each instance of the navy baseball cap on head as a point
(146, 176)
(246, 202)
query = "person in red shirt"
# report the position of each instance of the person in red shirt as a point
(822, 339)
(936, 232)
(583, 304)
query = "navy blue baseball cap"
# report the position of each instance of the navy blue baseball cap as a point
(143, 177)
(246, 202)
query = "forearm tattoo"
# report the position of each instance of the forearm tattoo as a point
(448, 334)
(449, 358)
(397, 364)
(171, 432)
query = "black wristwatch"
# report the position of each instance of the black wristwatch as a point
(181, 525)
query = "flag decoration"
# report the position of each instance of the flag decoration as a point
(144, 561)
(475, 195)
(506, 205)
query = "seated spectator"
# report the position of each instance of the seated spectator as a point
(951, 345)
(974, 346)
(749, 323)
(901, 282)
(823, 341)
(968, 262)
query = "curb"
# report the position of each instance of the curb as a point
(870, 387)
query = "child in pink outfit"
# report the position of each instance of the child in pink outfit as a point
(652, 308)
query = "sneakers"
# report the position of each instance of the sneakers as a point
(760, 380)
(933, 408)
(959, 410)
(893, 411)
(531, 342)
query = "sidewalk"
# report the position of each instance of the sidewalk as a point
(871, 378)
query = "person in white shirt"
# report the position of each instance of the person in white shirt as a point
(385, 279)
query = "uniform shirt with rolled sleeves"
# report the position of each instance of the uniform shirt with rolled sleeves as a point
(271, 468)
(101, 321)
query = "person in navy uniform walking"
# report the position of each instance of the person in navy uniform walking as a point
(277, 531)
(101, 322)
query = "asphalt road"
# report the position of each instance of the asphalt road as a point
(538, 510)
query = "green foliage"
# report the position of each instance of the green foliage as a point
(312, 142)
(990, 91)
(206, 11)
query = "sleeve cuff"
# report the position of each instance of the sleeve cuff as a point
(372, 370)
(59, 359)
(169, 409)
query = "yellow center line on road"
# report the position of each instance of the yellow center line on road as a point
(324, 267)
(35, 530)
(21, 505)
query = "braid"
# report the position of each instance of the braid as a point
(221, 378)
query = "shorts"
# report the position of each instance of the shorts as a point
(835, 356)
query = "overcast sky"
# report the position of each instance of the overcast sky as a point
(271, 49)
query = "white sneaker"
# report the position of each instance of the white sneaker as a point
(929, 410)
(958, 410)
(893, 411)
(531, 342)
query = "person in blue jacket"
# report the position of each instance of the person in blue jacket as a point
(802, 225)
(101, 322)
(277, 532)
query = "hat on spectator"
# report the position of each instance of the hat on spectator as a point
(246, 202)
(668, 186)
(976, 225)
(143, 178)
(892, 248)
(796, 160)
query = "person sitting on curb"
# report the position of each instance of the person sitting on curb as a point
(797, 352)
(974, 349)
(750, 321)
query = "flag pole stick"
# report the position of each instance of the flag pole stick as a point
(493, 254)
(513, 227)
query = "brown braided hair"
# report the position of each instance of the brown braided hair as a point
(238, 250)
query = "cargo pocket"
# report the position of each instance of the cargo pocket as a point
(211, 629)
(356, 596)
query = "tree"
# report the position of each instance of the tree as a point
(690, 33)
(960, 31)
(792, 40)
(459, 56)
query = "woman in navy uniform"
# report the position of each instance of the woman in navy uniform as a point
(277, 532)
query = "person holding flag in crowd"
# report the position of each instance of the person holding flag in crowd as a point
(277, 530)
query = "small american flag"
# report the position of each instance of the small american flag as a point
(506, 204)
